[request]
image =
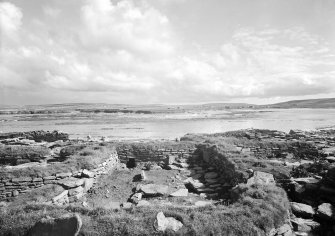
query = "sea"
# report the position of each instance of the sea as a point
(168, 126)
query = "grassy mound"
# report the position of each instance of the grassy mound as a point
(10, 154)
(257, 209)
(87, 157)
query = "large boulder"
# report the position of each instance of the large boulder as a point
(303, 210)
(154, 190)
(163, 223)
(261, 178)
(67, 225)
(326, 211)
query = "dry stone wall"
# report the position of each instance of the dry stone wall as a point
(158, 155)
(15, 186)
(209, 156)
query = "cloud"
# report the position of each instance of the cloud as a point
(124, 25)
(129, 51)
(10, 19)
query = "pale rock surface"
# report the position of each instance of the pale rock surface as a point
(163, 223)
(202, 203)
(303, 210)
(180, 193)
(87, 174)
(261, 178)
(143, 203)
(71, 182)
(326, 211)
(153, 190)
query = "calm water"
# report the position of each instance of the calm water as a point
(169, 126)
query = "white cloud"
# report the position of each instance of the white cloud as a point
(124, 25)
(10, 19)
(129, 49)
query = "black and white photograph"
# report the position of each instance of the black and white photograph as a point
(167, 117)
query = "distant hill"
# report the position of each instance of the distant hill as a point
(158, 108)
(309, 103)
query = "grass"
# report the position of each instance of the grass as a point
(9, 154)
(228, 140)
(88, 157)
(257, 209)
(39, 195)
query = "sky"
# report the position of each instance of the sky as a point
(166, 51)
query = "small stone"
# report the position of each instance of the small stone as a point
(302, 210)
(15, 193)
(87, 174)
(112, 206)
(261, 178)
(71, 182)
(22, 179)
(61, 199)
(51, 177)
(76, 191)
(285, 230)
(331, 159)
(326, 211)
(136, 198)
(64, 175)
(202, 203)
(127, 205)
(153, 190)
(304, 225)
(143, 175)
(143, 203)
(163, 223)
(88, 184)
(180, 193)
(211, 175)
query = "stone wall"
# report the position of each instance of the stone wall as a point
(209, 156)
(158, 155)
(37, 136)
(15, 186)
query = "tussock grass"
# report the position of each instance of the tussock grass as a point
(257, 209)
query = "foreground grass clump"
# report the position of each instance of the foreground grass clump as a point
(257, 209)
